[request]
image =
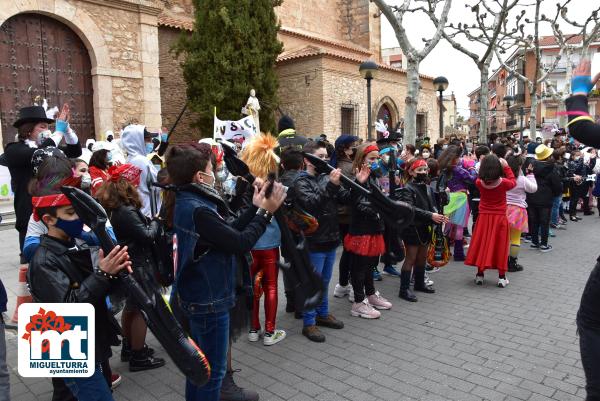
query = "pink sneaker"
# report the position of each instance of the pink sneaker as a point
(379, 302)
(364, 310)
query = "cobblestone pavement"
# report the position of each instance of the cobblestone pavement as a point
(462, 343)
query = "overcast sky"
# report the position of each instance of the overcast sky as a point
(460, 70)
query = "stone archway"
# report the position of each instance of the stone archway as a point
(386, 108)
(77, 20)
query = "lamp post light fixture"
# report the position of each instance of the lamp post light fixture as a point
(368, 70)
(441, 84)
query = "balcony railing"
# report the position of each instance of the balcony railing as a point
(519, 98)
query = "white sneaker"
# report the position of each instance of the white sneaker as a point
(253, 336)
(479, 280)
(503, 282)
(364, 310)
(379, 302)
(341, 291)
(273, 338)
(428, 281)
(351, 295)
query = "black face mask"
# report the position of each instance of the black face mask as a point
(421, 177)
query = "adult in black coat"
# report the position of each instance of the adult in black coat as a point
(540, 202)
(33, 133)
(583, 128)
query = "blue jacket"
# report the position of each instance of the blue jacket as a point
(270, 239)
(205, 284)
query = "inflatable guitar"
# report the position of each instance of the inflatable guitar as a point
(181, 348)
(397, 213)
(298, 268)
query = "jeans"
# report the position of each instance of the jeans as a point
(211, 332)
(4, 376)
(555, 209)
(92, 388)
(362, 275)
(539, 218)
(323, 265)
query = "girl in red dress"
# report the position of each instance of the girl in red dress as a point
(491, 239)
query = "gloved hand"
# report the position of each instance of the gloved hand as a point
(581, 83)
(71, 136)
(62, 126)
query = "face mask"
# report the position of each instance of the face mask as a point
(576, 158)
(86, 181)
(352, 153)
(445, 147)
(421, 177)
(72, 228)
(376, 169)
(426, 155)
(42, 136)
(149, 148)
(109, 157)
(222, 174)
(212, 174)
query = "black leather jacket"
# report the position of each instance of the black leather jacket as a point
(319, 197)
(65, 273)
(136, 231)
(365, 219)
(422, 197)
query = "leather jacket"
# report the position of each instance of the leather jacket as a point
(60, 272)
(319, 197)
(422, 197)
(365, 219)
(139, 234)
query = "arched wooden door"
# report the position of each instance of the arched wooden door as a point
(385, 115)
(42, 56)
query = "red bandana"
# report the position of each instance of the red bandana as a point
(128, 172)
(39, 202)
(418, 163)
(371, 148)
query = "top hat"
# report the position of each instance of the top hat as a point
(32, 114)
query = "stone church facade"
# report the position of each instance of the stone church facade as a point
(111, 61)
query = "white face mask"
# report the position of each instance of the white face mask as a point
(212, 174)
(42, 136)
(445, 147)
(222, 174)
(86, 180)
(426, 155)
(576, 158)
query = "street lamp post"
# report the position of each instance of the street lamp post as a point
(522, 114)
(368, 70)
(441, 84)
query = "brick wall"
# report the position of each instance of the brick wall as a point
(301, 94)
(173, 88)
(317, 16)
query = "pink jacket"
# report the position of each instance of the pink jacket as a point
(517, 195)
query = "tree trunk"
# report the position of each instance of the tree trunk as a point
(483, 102)
(411, 101)
(533, 112)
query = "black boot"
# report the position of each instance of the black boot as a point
(420, 281)
(513, 266)
(231, 392)
(142, 360)
(405, 292)
(126, 350)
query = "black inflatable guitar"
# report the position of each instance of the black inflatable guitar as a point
(396, 213)
(181, 348)
(299, 270)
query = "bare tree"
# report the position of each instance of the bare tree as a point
(484, 33)
(395, 15)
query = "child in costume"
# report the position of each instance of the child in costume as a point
(261, 159)
(491, 238)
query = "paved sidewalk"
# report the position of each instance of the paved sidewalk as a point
(462, 343)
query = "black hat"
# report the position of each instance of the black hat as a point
(392, 136)
(285, 122)
(32, 114)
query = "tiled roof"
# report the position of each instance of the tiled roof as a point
(316, 38)
(312, 51)
(176, 22)
(551, 40)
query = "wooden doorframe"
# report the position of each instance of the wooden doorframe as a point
(79, 21)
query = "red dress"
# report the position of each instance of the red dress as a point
(490, 243)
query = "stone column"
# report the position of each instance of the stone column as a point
(149, 53)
